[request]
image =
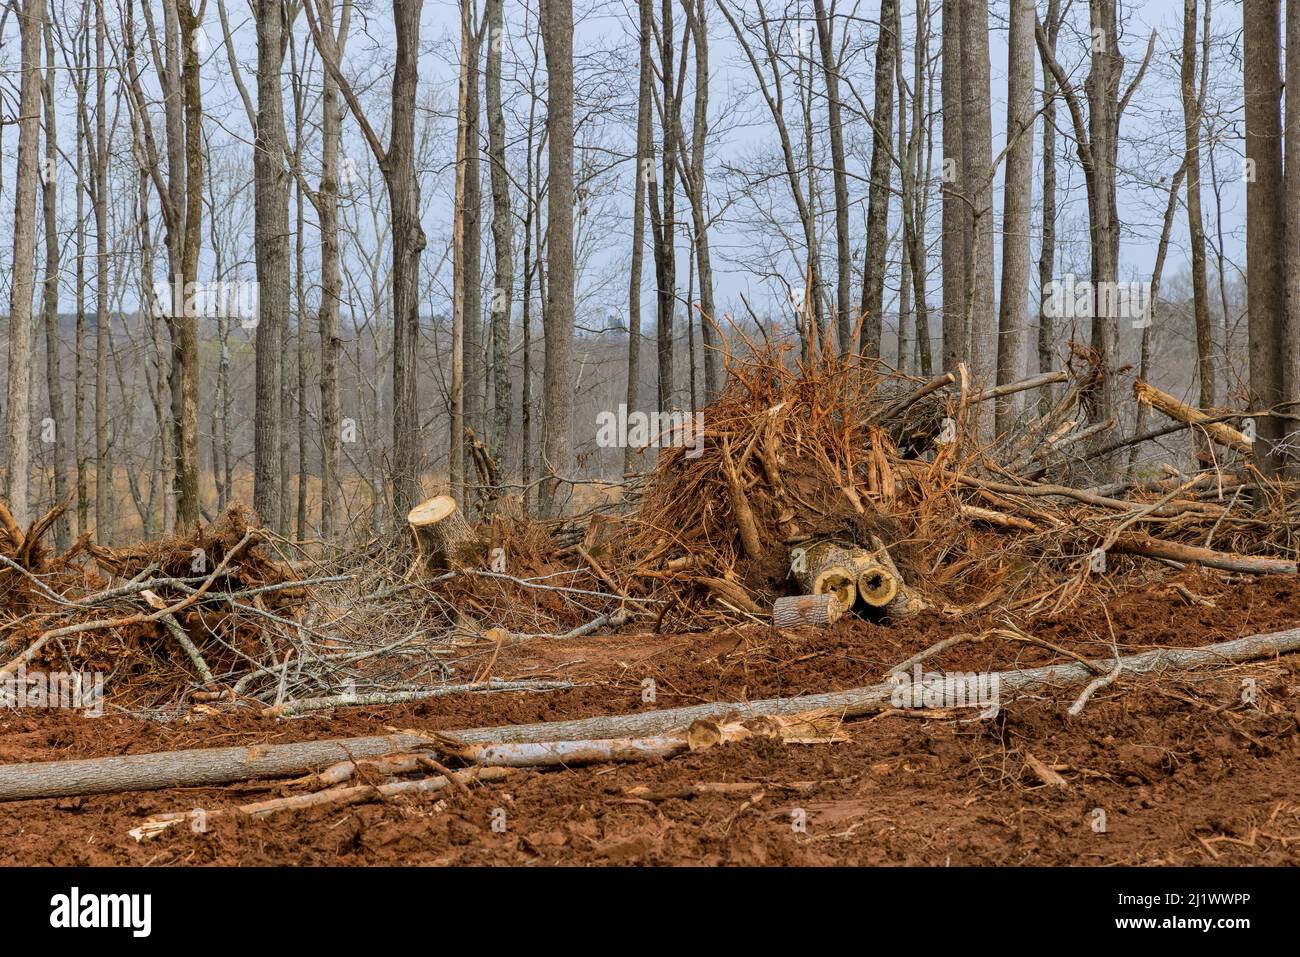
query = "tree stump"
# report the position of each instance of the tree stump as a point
(443, 539)
(794, 611)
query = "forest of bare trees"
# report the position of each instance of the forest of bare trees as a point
(331, 257)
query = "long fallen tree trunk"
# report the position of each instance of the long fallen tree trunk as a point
(211, 766)
(1191, 554)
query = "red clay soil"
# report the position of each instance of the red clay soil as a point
(1175, 769)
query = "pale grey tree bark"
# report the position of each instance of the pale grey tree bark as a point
(558, 320)
(502, 237)
(1266, 226)
(1205, 344)
(879, 193)
(644, 174)
(1047, 250)
(470, 282)
(696, 184)
(23, 283)
(844, 318)
(271, 240)
(50, 293)
(956, 209)
(977, 163)
(1013, 312)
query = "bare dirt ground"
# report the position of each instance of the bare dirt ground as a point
(1179, 769)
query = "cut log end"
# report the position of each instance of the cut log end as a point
(432, 511)
(839, 582)
(877, 585)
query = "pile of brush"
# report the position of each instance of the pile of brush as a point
(826, 484)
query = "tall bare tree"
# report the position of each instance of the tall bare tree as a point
(1205, 340)
(956, 209)
(1266, 226)
(331, 291)
(469, 285)
(844, 319)
(397, 162)
(695, 184)
(502, 235)
(663, 211)
(1013, 313)
(18, 424)
(558, 319)
(1047, 249)
(50, 292)
(644, 175)
(1290, 327)
(977, 164)
(271, 238)
(879, 194)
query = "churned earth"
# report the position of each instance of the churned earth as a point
(1183, 768)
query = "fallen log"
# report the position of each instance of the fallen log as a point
(907, 401)
(1191, 554)
(906, 602)
(1000, 519)
(380, 698)
(208, 766)
(828, 568)
(343, 794)
(795, 611)
(1024, 385)
(1221, 432)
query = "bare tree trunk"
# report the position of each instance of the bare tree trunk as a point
(1047, 252)
(977, 163)
(79, 370)
(663, 217)
(327, 204)
(1102, 88)
(644, 176)
(1017, 195)
(532, 267)
(471, 212)
(878, 196)
(456, 421)
(24, 264)
(502, 239)
(50, 295)
(271, 239)
(557, 397)
(699, 198)
(844, 320)
(1266, 233)
(408, 243)
(1290, 325)
(923, 127)
(187, 452)
(103, 319)
(907, 143)
(1192, 130)
(956, 211)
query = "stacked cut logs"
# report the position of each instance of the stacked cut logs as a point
(835, 576)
